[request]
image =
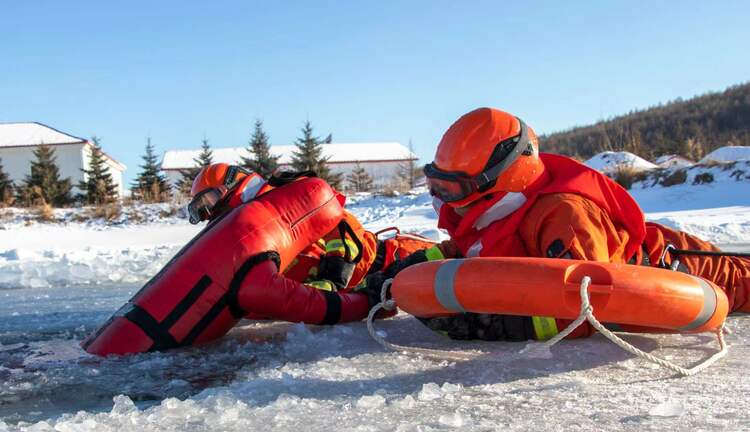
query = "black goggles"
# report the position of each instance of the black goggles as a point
(204, 204)
(230, 180)
(452, 186)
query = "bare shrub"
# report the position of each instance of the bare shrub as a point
(169, 211)
(626, 175)
(108, 212)
(44, 213)
(711, 163)
(390, 192)
(737, 174)
(703, 178)
(677, 177)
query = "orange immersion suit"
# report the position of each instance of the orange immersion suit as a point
(376, 253)
(577, 213)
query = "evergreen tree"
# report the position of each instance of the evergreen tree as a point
(150, 185)
(97, 186)
(6, 187)
(205, 158)
(44, 185)
(359, 180)
(309, 156)
(261, 159)
(408, 171)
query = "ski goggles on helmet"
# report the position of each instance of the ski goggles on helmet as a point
(453, 186)
(203, 205)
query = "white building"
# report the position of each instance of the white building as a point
(19, 140)
(381, 160)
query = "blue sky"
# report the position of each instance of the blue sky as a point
(364, 71)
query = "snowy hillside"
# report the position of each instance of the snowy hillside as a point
(609, 160)
(695, 187)
(673, 161)
(60, 281)
(728, 154)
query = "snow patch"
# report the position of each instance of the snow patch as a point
(609, 161)
(728, 154)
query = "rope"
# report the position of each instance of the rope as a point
(389, 305)
(587, 314)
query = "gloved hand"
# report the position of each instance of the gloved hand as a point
(372, 286)
(417, 257)
(336, 269)
(489, 327)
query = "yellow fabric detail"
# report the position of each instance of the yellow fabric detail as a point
(337, 246)
(434, 253)
(313, 272)
(322, 285)
(545, 328)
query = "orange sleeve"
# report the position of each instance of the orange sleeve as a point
(560, 224)
(570, 226)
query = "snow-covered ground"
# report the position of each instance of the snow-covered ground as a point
(60, 281)
(728, 154)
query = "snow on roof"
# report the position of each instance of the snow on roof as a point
(728, 154)
(337, 153)
(33, 134)
(673, 161)
(29, 134)
(609, 160)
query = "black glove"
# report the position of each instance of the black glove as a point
(373, 283)
(417, 257)
(336, 269)
(472, 326)
(371, 287)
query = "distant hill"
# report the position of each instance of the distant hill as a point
(691, 128)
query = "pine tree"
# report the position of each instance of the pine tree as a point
(407, 170)
(205, 158)
(359, 180)
(309, 156)
(150, 185)
(261, 159)
(44, 185)
(6, 187)
(97, 186)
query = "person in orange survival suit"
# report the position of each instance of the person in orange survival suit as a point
(338, 261)
(496, 195)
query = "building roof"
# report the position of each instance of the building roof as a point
(336, 152)
(33, 134)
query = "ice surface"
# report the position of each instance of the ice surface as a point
(291, 377)
(669, 408)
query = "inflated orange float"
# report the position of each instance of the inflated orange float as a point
(634, 298)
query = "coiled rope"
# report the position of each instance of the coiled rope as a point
(586, 314)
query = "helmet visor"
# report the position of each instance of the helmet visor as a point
(203, 205)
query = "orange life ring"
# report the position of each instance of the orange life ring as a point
(637, 298)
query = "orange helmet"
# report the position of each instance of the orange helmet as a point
(211, 187)
(485, 151)
(215, 175)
